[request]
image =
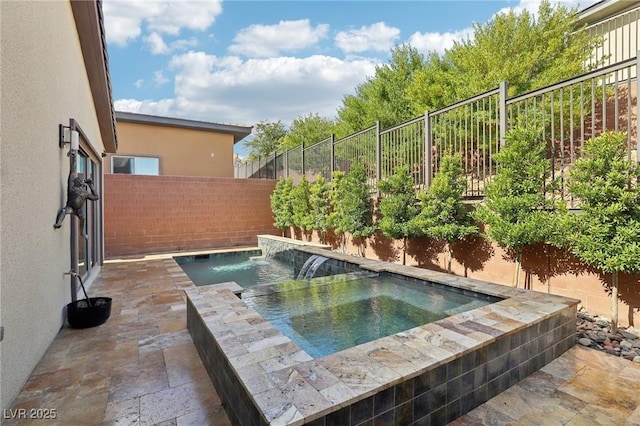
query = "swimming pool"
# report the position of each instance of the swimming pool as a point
(329, 314)
(246, 268)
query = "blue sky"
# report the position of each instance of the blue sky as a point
(241, 62)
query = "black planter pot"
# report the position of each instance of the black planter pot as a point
(81, 314)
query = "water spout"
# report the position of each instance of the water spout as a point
(311, 266)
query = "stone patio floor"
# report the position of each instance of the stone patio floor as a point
(141, 368)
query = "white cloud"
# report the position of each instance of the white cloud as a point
(438, 42)
(183, 44)
(159, 78)
(139, 83)
(232, 90)
(161, 108)
(376, 37)
(262, 41)
(156, 44)
(126, 20)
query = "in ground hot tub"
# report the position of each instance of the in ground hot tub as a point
(428, 374)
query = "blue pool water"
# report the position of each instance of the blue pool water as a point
(329, 314)
(246, 268)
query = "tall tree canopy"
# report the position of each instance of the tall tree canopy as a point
(267, 138)
(526, 50)
(382, 97)
(307, 131)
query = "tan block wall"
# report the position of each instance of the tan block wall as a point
(152, 214)
(182, 152)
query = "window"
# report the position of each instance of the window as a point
(135, 165)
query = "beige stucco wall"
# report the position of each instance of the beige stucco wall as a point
(182, 152)
(44, 83)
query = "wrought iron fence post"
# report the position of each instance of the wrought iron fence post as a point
(286, 164)
(332, 156)
(428, 158)
(637, 111)
(302, 157)
(378, 153)
(503, 112)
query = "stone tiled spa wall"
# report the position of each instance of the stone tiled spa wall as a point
(435, 394)
(238, 404)
(444, 393)
(150, 214)
(433, 397)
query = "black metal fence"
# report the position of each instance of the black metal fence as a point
(567, 113)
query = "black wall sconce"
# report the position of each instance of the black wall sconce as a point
(68, 136)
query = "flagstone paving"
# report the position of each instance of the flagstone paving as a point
(141, 368)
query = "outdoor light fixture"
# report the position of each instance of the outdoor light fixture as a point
(68, 136)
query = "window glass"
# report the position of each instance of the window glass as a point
(81, 170)
(147, 166)
(135, 165)
(122, 165)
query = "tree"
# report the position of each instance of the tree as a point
(268, 136)
(307, 131)
(518, 208)
(443, 215)
(281, 204)
(352, 205)
(382, 97)
(398, 207)
(526, 50)
(300, 205)
(606, 232)
(320, 206)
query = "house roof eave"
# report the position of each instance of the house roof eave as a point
(90, 27)
(603, 10)
(239, 132)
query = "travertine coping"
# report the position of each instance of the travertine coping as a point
(290, 387)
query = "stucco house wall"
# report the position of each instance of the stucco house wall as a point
(184, 147)
(44, 83)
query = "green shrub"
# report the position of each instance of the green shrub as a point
(398, 207)
(443, 216)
